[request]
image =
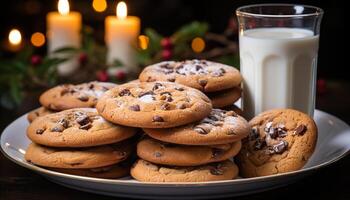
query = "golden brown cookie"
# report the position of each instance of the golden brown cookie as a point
(69, 96)
(220, 127)
(78, 158)
(281, 140)
(109, 172)
(39, 112)
(203, 75)
(148, 172)
(159, 152)
(153, 105)
(224, 98)
(79, 127)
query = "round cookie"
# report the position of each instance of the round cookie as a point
(147, 172)
(184, 155)
(203, 75)
(39, 112)
(281, 140)
(80, 158)
(109, 172)
(69, 96)
(220, 127)
(79, 127)
(224, 98)
(153, 105)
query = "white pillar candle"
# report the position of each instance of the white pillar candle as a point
(121, 32)
(63, 30)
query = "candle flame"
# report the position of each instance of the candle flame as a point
(122, 10)
(15, 37)
(63, 7)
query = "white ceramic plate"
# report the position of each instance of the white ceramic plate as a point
(333, 144)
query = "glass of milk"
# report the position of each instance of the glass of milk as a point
(278, 46)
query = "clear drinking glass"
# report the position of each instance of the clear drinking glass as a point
(278, 46)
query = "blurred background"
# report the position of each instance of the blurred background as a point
(165, 18)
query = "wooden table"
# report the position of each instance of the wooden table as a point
(332, 182)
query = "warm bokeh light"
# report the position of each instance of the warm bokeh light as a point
(143, 42)
(99, 5)
(63, 7)
(122, 10)
(198, 44)
(15, 37)
(37, 39)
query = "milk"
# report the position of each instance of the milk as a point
(278, 66)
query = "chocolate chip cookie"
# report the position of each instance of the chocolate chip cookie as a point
(163, 153)
(220, 127)
(79, 158)
(108, 172)
(79, 127)
(281, 140)
(68, 96)
(224, 98)
(39, 112)
(153, 105)
(203, 75)
(148, 172)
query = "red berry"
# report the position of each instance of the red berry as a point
(83, 58)
(321, 86)
(120, 75)
(166, 54)
(36, 60)
(102, 76)
(166, 43)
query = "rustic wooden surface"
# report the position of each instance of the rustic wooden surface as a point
(328, 183)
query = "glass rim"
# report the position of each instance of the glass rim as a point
(239, 11)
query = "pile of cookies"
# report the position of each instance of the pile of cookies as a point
(221, 83)
(72, 138)
(187, 140)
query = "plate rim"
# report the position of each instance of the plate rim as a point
(55, 174)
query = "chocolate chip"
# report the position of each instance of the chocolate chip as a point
(91, 86)
(273, 133)
(83, 98)
(222, 70)
(125, 92)
(165, 93)
(198, 67)
(83, 120)
(134, 108)
(157, 86)
(216, 152)
(202, 82)
(104, 88)
(300, 130)
(166, 66)
(86, 126)
(165, 106)
(280, 147)
(171, 79)
(217, 73)
(181, 106)
(63, 122)
(64, 91)
(179, 88)
(268, 126)
(39, 131)
(146, 93)
(254, 134)
(203, 128)
(157, 119)
(168, 71)
(216, 171)
(157, 154)
(57, 128)
(213, 117)
(259, 144)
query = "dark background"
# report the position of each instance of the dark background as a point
(166, 16)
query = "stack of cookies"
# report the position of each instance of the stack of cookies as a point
(79, 141)
(221, 83)
(69, 96)
(187, 140)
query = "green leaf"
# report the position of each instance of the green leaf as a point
(49, 62)
(190, 31)
(15, 89)
(66, 50)
(232, 60)
(154, 40)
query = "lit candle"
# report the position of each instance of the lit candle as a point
(15, 40)
(64, 31)
(121, 36)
